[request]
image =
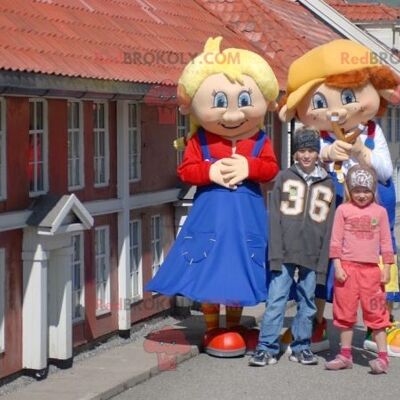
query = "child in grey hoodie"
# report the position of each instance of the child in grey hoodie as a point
(302, 208)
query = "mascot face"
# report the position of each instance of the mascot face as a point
(322, 84)
(352, 106)
(227, 109)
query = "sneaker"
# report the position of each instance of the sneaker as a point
(319, 339)
(305, 357)
(262, 358)
(379, 366)
(339, 362)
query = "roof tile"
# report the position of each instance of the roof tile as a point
(124, 40)
(366, 12)
(281, 29)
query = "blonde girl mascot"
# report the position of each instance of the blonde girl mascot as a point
(219, 256)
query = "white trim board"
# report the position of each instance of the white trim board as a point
(14, 220)
(17, 219)
(153, 198)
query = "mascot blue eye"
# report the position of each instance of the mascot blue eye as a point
(220, 100)
(319, 101)
(244, 99)
(348, 96)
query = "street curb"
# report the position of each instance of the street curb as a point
(154, 371)
(195, 351)
(119, 369)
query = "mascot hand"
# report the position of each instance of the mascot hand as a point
(216, 176)
(361, 152)
(235, 169)
(337, 151)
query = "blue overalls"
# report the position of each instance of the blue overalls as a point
(220, 254)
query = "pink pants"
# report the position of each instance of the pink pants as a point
(363, 284)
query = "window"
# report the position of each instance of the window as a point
(75, 145)
(37, 159)
(134, 142)
(101, 144)
(3, 164)
(269, 124)
(78, 280)
(182, 126)
(135, 249)
(2, 297)
(102, 252)
(156, 243)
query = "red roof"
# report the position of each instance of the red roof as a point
(125, 40)
(366, 12)
(282, 29)
(148, 41)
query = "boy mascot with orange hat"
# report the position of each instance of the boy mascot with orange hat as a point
(219, 255)
(339, 88)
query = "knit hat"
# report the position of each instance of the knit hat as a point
(361, 176)
(333, 58)
(305, 138)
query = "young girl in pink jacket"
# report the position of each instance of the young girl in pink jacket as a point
(360, 235)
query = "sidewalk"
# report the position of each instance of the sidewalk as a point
(116, 370)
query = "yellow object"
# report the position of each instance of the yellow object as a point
(393, 285)
(336, 57)
(393, 337)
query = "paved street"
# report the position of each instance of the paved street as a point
(208, 378)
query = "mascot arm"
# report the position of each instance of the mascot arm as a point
(264, 167)
(380, 156)
(194, 170)
(361, 152)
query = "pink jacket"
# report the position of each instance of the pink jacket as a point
(361, 234)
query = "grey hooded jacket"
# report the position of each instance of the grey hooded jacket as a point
(300, 221)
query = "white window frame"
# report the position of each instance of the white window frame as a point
(45, 143)
(103, 307)
(80, 156)
(182, 128)
(2, 299)
(136, 274)
(97, 158)
(3, 153)
(134, 132)
(81, 290)
(156, 241)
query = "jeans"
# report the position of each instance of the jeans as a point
(274, 315)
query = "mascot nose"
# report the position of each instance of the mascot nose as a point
(337, 115)
(232, 117)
